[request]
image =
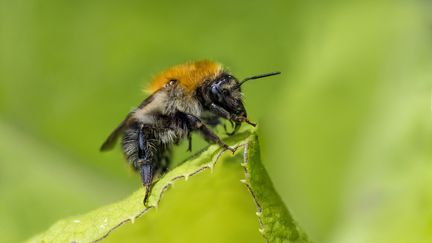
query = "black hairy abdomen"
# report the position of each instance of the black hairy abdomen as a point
(156, 146)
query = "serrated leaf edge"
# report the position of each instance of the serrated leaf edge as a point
(208, 166)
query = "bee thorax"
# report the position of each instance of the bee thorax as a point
(181, 101)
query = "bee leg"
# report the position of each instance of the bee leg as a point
(232, 117)
(189, 137)
(165, 160)
(236, 127)
(211, 119)
(145, 165)
(196, 124)
(225, 114)
(163, 167)
(146, 171)
(220, 111)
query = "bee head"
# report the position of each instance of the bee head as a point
(225, 92)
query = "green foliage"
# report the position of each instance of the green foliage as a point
(275, 222)
(345, 131)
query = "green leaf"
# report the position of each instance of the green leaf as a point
(113, 222)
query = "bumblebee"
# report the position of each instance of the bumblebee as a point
(186, 98)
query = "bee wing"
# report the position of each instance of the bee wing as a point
(112, 138)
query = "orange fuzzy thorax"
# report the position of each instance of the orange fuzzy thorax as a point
(189, 75)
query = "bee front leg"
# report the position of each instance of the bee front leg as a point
(196, 124)
(232, 117)
(220, 111)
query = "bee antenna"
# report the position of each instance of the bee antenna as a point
(257, 77)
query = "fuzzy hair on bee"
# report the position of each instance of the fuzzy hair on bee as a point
(186, 98)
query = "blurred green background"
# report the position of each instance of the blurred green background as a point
(346, 129)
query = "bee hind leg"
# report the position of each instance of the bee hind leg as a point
(189, 137)
(146, 167)
(146, 172)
